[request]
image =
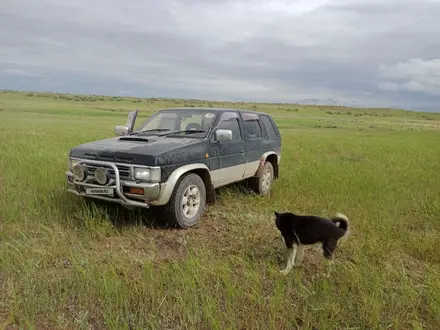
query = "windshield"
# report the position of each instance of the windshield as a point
(179, 122)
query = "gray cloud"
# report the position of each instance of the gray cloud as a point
(416, 75)
(363, 52)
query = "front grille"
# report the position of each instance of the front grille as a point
(124, 171)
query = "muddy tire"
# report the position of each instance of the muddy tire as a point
(187, 202)
(262, 184)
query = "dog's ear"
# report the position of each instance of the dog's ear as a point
(276, 214)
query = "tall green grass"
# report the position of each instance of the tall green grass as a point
(66, 263)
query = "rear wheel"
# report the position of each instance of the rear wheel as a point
(262, 184)
(187, 203)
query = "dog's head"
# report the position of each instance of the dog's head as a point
(282, 217)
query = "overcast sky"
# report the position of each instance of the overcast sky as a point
(351, 52)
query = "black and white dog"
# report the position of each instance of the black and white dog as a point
(301, 230)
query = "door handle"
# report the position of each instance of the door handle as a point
(242, 151)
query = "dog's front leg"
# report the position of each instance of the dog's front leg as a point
(291, 254)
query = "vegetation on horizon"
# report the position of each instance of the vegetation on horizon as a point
(186, 102)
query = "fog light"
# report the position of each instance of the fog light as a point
(79, 172)
(102, 176)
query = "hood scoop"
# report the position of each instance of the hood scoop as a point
(134, 138)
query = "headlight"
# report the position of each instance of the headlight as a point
(141, 173)
(151, 174)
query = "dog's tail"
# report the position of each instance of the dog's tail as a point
(342, 222)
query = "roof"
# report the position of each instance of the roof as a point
(215, 109)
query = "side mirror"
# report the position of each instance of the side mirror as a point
(121, 130)
(223, 135)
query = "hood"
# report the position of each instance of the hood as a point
(145, 150)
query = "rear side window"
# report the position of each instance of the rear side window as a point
(268, 127)
(253, 128)
(252, 125)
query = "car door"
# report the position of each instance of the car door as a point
(256, 144)
(227, 158)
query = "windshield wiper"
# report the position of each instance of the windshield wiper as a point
(187, 131)
(151, 130)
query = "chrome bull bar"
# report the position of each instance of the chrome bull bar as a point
(117, 186)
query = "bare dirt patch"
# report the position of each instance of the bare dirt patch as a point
(170, 247)
(156, 245)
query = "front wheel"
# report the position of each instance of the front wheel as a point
(263, 183)
(187, 203)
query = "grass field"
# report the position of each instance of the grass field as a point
(70, 264)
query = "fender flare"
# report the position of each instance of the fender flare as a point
(263, 160)
(167, 187)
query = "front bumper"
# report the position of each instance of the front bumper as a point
(125, 192)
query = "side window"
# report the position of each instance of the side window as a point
(252, 125)
(253, 128)
(249, 127)
(229, 120)
(270, 131)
